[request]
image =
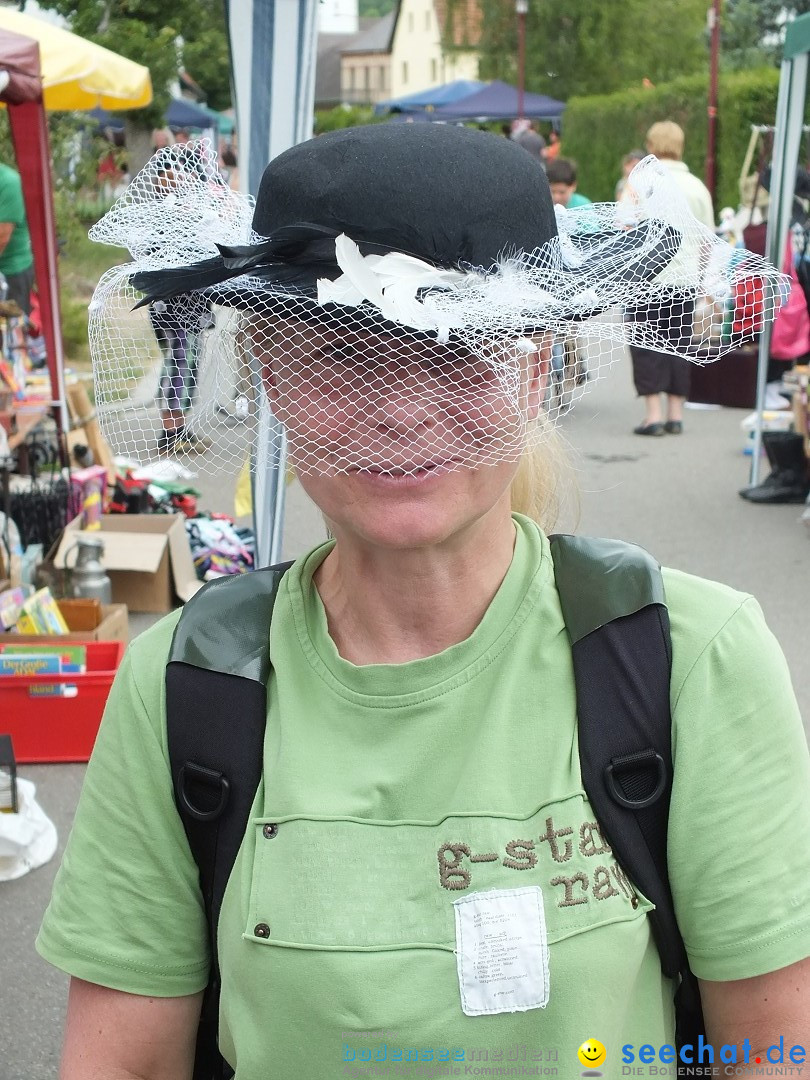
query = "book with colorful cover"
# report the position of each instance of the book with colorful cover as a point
(53, 690)
(74, 655)
(11, 602)
(41, 615)
(35, 664)
(27, 624)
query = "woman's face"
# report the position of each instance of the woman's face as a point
(397, 439)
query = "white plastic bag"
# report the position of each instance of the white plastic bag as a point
(27, 838)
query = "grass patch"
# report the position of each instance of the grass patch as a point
(81, 264)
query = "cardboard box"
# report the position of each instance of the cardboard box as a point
(87, 620)
(147, 557)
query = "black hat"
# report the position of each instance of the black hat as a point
(450, 196)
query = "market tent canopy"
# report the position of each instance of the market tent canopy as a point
(433, 98)
(77, 74)
(185, 114)
(499, 101)
(180, 114)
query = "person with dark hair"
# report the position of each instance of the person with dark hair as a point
(419, 855)
(525, 134)
(230, 169)
(562, 180)
(177, 330)
(552, 150)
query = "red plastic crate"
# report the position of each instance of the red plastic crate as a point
(59, 728)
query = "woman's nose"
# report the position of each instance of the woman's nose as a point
(403, 398)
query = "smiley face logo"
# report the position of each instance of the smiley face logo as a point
(592, 1054)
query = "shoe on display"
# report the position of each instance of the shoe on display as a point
(649, 429)
(788, 481)
(781, 487)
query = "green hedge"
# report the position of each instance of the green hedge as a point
(343, 116)
(598, 131)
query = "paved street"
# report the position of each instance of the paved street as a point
(677, 496)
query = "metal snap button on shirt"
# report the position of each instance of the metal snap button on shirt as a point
(261, 930)
(269, 831)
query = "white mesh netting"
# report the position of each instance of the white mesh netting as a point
(396, 366)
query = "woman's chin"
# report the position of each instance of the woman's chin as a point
(403, 524)
(401, 511)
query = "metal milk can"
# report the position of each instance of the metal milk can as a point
(88, 577)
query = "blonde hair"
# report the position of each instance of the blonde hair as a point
(543, 476)
(665, 140)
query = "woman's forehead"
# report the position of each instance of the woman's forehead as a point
(355, 334)
(339, 333)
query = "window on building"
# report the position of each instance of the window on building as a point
(366, 78)
(382, 77)
(434, 70)
(410, 21)
(351, 78)
(427, 19)
(404, 71)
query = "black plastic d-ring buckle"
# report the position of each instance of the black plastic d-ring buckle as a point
(634, 763)
(212, 779)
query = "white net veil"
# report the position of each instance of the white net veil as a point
(391, 364)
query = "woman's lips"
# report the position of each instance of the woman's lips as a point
(397, 476)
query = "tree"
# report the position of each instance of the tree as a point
(753, 31)
(582, 47)
(204, 52)
(138, 29)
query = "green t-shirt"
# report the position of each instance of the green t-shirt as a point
(16, 255)
(578, 200)
(398, 790)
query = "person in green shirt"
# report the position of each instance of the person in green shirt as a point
(423, 884)
(16, 257)
(562, 180)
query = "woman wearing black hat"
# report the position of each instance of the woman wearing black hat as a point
(423, 883)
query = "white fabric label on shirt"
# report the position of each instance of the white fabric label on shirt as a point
(502, 951)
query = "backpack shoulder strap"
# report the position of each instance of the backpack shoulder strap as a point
(614, 607)
(613, 603)
(216, 707)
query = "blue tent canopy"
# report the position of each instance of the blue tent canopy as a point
(185, 114)
(499, 101)
(180, 114)
(432, 98)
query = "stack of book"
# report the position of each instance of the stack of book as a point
(31, 612)
(25, 660)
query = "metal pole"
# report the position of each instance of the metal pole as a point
(787, 140)
(711, 150)
(522, 8)
(273, 54)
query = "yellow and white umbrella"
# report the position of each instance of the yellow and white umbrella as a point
(77, 74)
